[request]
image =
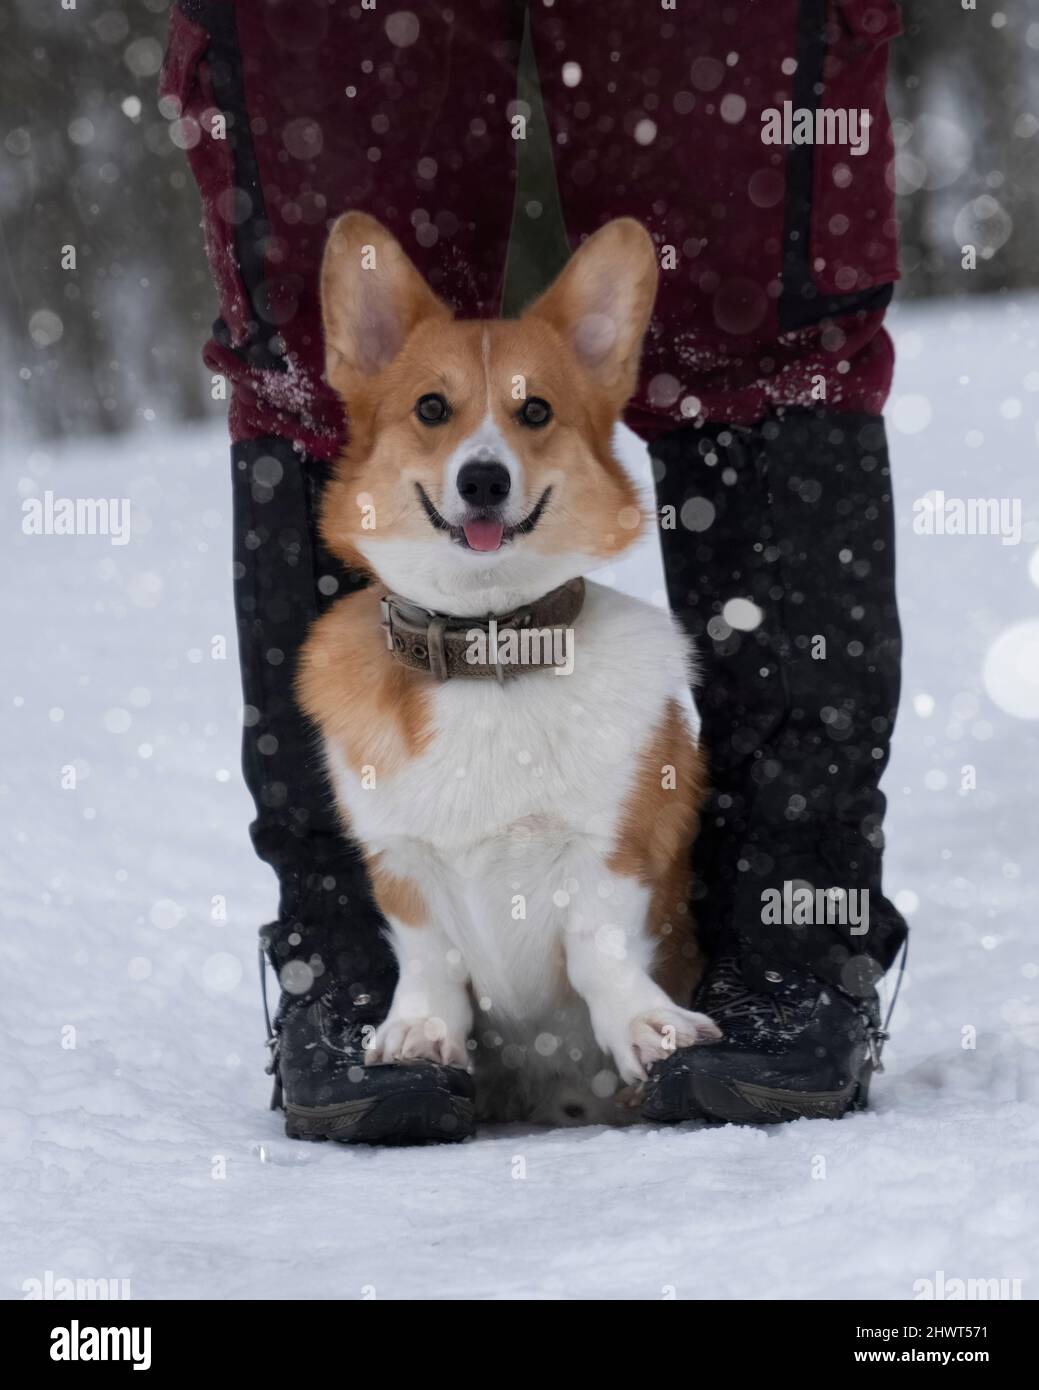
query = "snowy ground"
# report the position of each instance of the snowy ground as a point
(134, 1137)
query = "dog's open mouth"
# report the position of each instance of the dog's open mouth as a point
(484, 531)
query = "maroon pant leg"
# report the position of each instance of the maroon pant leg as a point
(781, 260)
(294, 111)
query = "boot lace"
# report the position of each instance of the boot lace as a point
(730, 998)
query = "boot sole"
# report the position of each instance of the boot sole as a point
(696, 1097)
(432, 1117)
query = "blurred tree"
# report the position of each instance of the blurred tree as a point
(963, 97)
(88, 175)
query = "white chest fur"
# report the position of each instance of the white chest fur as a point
(555, 750)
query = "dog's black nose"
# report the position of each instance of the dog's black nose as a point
(484, 483)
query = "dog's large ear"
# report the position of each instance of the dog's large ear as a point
(602, 300)
(371, 298)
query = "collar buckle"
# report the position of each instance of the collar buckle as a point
(387, 619)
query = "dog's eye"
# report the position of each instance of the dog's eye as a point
(535, 412)
(432, 409)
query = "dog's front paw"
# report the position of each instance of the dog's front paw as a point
(414, 1039)
(653, 1035)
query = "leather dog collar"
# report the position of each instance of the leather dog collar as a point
(442, 643)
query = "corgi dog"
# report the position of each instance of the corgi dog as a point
(527, 823)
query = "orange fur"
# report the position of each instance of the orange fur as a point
(654, 838)
(375, 710)
(397, 897)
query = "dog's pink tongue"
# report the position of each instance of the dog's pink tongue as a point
(483, 535)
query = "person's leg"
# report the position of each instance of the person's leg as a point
(776, 265)
(781, 566)
(292, 114)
